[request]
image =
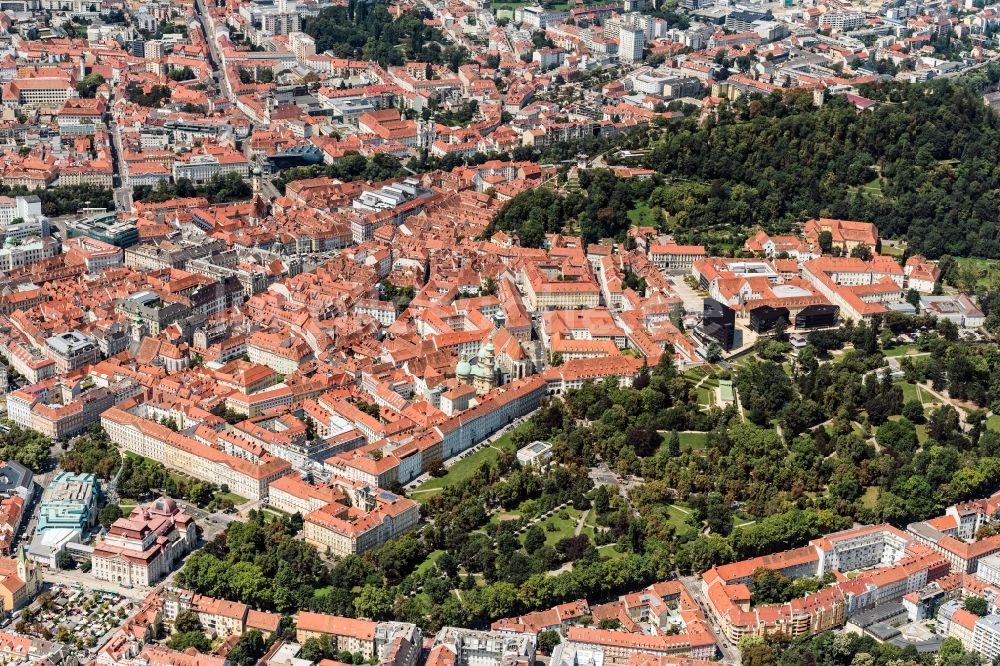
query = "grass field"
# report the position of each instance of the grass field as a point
(678, 518)
(993, 423)
(921, 433)
(695, 374)
(643, 215)
(900, 350)
(507, 7)
(706, 396)
(590, 524)
(463, 469)
(870, 498)
(429, 561)
(564, 527)
(741, 519)
(274, 514)
(873, 186)
(894, 250)
(909, 391)
(985, 267)
(925, 397)
(232, 497)
(690, 441)
(693, 440)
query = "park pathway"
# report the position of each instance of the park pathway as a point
(580, 523)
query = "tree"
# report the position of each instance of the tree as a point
(28, 447)
(109, 514)
(674, 444)
(714, 353)
(186, 621)
(189, 639)
(318, 648)
(913, 298)
(952, 653)
(368, 32)
(201, 493)
(825, 341)
(764, 390)
(714, 511)
(976, 606)
(548, 640)
(861, 251)
(534, 539)
(825, 241)
(248, 649)
(87, 87)
(770, 587)
(898, 436)
(602, 500)
(704, 553)
(64, 560)
(374, 602)
(913, 411)
(183, 74)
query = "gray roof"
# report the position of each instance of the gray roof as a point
(14, 477)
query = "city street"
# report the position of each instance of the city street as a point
(87, 581)
(215, 58)
(729, 651)
(122, 191)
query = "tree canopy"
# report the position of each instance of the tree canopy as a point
(367, 31)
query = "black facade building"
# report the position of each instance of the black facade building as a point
(817, 316)
(719, 323)
(765, 318)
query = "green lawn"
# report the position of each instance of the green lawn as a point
(507, 7)
(690, 441)
(870, 498)
(643, 215)
(693, 440)
(706, 396)
(678, 518)
(894, 250)
(429, 561)
(920, 428)
(564, 527)
(909, 391)
(925, 397)
(232, 497)
(740, 519)
(921, 433)
(993, 423)
(590, 524)
(984, 267)
(463, 469)
(696, 373)
(506, 442)
(900, 350)
(873, 187)
(276, 514)
(609, 552)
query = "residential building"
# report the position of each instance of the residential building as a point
(631, 44)
(469, 647)
(219, 618)
(350, 635)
